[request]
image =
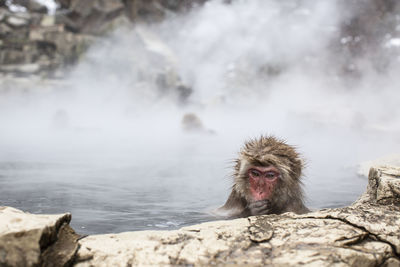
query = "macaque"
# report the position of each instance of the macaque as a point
(266, 180)
(191, 123)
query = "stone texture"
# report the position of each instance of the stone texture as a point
(389, 161)
(32, 43)
(364, 234)
(55, 41)
(24, 236)
(89, 16)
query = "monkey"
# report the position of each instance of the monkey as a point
(267, 180)
(191, 123)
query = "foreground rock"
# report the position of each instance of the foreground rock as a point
(366, 233)
(32, 240)
(388, 161)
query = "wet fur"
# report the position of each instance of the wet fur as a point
(287, 195)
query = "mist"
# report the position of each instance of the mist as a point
(107, 142)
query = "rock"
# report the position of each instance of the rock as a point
(47, 21)
(144, 10)
(365, 234)
(156, 10)
(12, 56)
(3, 13)
(15, 21)
(383, 187)
(64, 4)
(29, 35)
(31, 5)
(4, 30)
(19, 68)
(60, 47)
(89, 16)
(30, 240)
(35, 6)
(389, 160)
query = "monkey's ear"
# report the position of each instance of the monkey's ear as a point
(302, 162)
(297, 167)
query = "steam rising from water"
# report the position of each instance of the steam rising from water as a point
(111, 135)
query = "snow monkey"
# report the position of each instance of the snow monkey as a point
(266, 180)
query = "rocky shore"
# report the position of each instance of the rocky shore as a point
(367, 233)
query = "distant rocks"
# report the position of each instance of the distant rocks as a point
(32, 41)
(29, 34)
(89, 17)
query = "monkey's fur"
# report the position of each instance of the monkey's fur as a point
(286, 196)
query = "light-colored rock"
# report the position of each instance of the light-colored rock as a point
(14, 220)
(21, 68)
(364, 234)
(26, 238)
(48, 21)
(16, 21)
(392, 160)
(3, 14)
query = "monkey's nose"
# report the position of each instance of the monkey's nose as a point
(261, 182)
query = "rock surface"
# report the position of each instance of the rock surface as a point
(32, 240)
(367, 233)
(392, 160)
(30, 36)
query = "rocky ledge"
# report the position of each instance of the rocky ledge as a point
(367, 233)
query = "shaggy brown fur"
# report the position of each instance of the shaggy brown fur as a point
(287, 195)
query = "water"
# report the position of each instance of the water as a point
(165, 183)
(108, 145)
(113, 191)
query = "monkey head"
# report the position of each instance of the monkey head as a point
(267, 179)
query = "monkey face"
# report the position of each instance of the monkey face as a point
(262, 181)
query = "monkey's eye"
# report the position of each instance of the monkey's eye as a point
(255, 173)
(270, 175)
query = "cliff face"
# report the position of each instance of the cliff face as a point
(367, 233)
(34, 41)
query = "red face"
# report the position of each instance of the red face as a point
(262, 181)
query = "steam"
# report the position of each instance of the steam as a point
(254, 67)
